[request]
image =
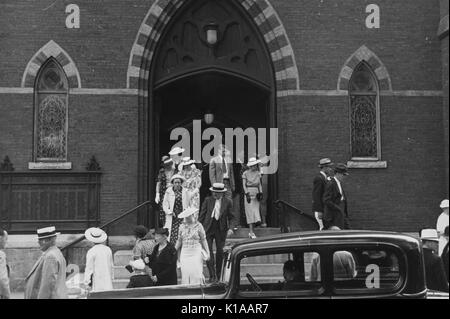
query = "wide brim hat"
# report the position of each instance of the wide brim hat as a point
(187, 161)
(325, 162)
(444, 204)
(188, 212)
(95, 235)
(218, 188)
(47, 232)
(137, 264)
(253, 161)
(176, 150)
(177, 176)
(429, 234)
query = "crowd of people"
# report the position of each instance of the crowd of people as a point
(191, 228)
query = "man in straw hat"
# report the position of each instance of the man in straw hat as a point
(215, 216)
(47, 278)
(319, 183)
(99, 261)
(335, 200)
(434, 267)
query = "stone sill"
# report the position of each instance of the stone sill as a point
(367, 164)
(50, 166)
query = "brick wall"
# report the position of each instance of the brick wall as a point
(323, 35)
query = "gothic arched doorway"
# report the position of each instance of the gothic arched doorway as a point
(210, 56)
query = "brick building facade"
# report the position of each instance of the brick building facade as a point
(313, 48)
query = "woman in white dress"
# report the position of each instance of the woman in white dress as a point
(192, 248)
(251, 182)
(99, 262)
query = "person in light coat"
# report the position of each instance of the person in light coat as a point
(47, 278)
(99, 262)
(176, 200)
(5, 292)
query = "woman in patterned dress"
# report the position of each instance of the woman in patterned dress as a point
(251, 182)
(193, 181)
(191, 247)
(176, 200)
(162, 183)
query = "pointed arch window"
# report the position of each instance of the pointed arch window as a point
(51, 113)
(364, 114)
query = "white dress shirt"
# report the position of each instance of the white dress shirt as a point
(225, 173)
(340, 188)
(216, 211)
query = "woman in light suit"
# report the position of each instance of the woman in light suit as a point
(176, 200)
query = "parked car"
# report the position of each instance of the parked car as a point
(321, 265)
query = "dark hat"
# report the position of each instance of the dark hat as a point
(341, 168)
(325, 162)
(162, 231)
(140, 231)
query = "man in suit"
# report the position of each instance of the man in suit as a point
(215, 216)
(221, 171)
(319, 183)
(47, 278)
(335, 200)
(434, 267)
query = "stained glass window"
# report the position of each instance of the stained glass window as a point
(364, 114)
(51, 103)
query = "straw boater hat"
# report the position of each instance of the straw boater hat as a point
(444, 204)
(325, 162)
(188, 212)
(95, 235)
(176, 150)
(47, 232)
(177, 176)
(429, 234)
(253, 161)
(218, 188)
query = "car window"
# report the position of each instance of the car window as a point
(366, 270)
(279, 274)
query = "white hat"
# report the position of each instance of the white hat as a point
(137, 264)
(176, 150)
(253, 161)
(218, 188)
(188, 212)
(187, 161)
(95, 235)
(47, 232)
(177, 176)
(444, 204)
(429, 234)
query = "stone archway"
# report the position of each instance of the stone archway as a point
(279, 59)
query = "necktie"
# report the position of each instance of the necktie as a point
(216, 211)
(224, 165)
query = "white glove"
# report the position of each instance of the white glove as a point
(157, 198)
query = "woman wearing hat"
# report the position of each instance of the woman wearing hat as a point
(99, 261)
(251, 182)
(190, 245)
(176, 200)
(193, 181)
(163, 260)
(162, 183)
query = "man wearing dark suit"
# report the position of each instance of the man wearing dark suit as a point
(319, 183)
(221, 171)
(215, 216)
(335, 200)
(434, 267)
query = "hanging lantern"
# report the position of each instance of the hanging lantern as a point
(209, 117)
(212, 33)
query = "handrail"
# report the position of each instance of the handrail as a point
(80, 239)
(285, 228)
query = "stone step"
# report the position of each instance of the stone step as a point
(259, 232)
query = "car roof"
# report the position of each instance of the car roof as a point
(343, 236)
